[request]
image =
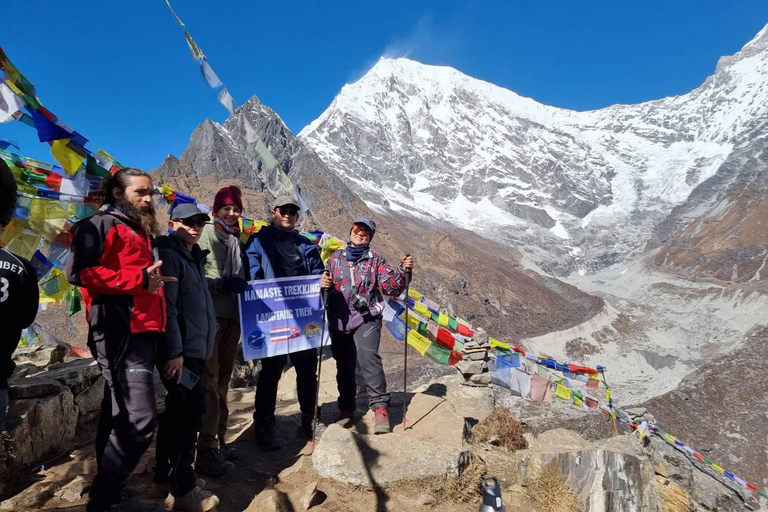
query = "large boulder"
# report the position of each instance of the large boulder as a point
(378, 461)
(612, 475)
(39, 425)
(619, 475)
(439, 415)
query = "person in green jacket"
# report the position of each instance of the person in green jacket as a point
(226, 269)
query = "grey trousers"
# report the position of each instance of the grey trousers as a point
(360, 346)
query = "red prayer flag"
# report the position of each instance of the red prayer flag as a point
(445, 338)
(751, 487)
(581, 369)
(464, 330)
(698, 456)
(454, 358)
(46, 113)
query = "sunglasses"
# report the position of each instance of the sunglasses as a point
(287, 211)
(361, 231)
(192, 222)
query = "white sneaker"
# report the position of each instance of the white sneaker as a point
(196, 500)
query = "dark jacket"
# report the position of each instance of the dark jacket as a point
(19, 299)
(191, 327)
(108, 259)
(262, 255)
(370, 276)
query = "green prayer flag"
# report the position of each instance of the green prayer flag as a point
(422, 328)
(94, 169)
(435, 317)
(74, 300)
(438, 354)
(453, 324)
(763, 494)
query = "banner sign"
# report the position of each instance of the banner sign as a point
(279, 316)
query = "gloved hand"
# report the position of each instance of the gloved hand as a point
(232, 285)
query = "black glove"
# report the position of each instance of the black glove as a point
(232, 285)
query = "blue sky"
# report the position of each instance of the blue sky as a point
(121, 74)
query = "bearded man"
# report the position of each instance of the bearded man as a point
(111, 259)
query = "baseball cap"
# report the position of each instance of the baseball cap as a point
(187, 210)
(285, 201)
(367, 221)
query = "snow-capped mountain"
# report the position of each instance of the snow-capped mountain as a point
(575, 190)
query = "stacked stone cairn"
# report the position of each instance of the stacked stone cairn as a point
(474, 365)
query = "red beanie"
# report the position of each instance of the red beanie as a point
(226, 196)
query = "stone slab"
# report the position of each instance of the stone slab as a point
(33, 387)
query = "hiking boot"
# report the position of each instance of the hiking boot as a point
(265, 435)
(196, 500)
(344, 419)
(226, 451)
(381, 421)
(210, 463)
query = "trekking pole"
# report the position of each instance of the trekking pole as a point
(408, 276)
(324, 300)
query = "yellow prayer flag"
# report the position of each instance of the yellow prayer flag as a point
(413, 321)
(671, 439)
(721, 470)
(414, 294)
(499, 344)
(103, 155)
(593, 376)
(421, 309)
(563, 392)
(13, 87)
(165, 189)
(329, 247)
(56, 286)
(419, 342)
(69, 160)
(442, 320)
(577, 402)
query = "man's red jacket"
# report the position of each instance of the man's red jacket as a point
(108, 259)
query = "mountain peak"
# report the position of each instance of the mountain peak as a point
(438, 143)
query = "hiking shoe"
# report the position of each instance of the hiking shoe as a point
(196, 500)
(226, 451)
(381, 421)
(170, 499)
(344, 419)
(210, 463)
(265, 435)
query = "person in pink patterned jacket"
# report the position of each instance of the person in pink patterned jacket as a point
(359, 278)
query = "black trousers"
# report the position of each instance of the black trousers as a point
(305, 363)
(128, 412)
(177, 433)
(360, 346)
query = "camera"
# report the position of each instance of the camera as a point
(361, 304)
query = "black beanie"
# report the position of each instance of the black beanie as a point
(7, 193)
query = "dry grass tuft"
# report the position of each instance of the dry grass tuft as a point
(500, 429)
(464, 488)
(549, 492)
